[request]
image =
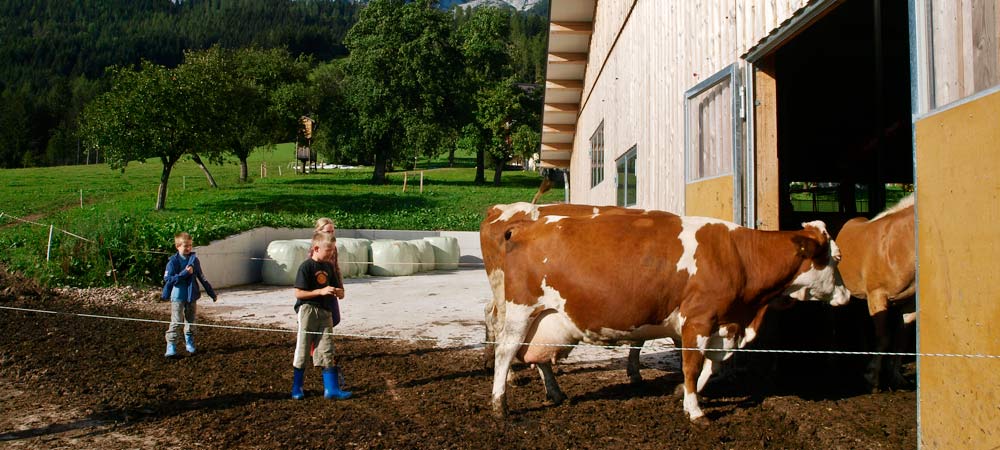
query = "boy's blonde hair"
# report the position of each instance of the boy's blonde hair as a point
(322, 222)
(321, 239)
(183, 236)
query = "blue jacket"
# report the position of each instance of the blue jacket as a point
(176, 276)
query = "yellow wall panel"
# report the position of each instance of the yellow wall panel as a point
(958, 249)
(710, 198)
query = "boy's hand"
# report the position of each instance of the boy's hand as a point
(339, 292)
(189, 269)
(329, 290)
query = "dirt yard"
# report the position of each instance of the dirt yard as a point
(92, 382)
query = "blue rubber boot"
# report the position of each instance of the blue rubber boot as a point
(331, 384)
(189, 343)
(297, 393)
(171, 350)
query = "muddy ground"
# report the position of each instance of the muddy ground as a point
(70, 381)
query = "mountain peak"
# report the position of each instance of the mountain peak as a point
(520, 5)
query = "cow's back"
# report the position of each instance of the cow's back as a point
(879, 254)
(614, 272)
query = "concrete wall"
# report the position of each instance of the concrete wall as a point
(237, 260)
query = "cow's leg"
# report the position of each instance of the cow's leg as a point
(692, 364)
(632, 369)
(553, 395)
(494, 315)
(517, 319)
(489, 350)
(878, 303)
(892, 370)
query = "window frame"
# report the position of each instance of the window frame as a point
(620, 184)
(597, 156)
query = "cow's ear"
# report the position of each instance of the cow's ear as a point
(805, 247)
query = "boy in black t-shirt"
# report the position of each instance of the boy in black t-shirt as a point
(317, 290)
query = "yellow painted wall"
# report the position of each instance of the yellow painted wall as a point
(958, 251)
(710, 198)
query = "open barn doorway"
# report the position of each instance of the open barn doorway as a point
(844, 127)
(833, 134)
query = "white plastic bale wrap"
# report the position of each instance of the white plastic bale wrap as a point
(392, 258)
(425, 253)
(446, 252)
(283, 260)
(352, 256)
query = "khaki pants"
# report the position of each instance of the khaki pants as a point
(181, 313)
(315, 334)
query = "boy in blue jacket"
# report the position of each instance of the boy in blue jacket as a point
(180, 287)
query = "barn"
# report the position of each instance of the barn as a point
(769, 113)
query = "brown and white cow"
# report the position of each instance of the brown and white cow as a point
(879, 264)
(608, 278)
(498, 219)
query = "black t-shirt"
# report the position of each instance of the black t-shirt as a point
(314, 275)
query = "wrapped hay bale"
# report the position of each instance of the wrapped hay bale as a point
(425, 253)
(392, 258)
(446, 252)
(283, 260)
(352, 256)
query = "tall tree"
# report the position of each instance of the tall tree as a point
(399, 79)
(503, 113)
(484, 42)
(265, 94)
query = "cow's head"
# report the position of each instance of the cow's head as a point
(818, 278)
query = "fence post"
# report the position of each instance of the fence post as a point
(421, 181)
(48, 250)
(404, 181)
(81, 198)
(279, 170)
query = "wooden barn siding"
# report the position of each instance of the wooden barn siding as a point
(665, 48)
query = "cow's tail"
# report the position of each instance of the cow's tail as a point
(546, 185)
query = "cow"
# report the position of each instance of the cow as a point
(491, 239)
(609, 278)
(879, 265)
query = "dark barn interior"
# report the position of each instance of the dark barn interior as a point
(844, 120)
(844, 150)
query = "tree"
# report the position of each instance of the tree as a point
(399, 80)
(265, 95)
(485, 46)
(154, 112)
(503, 112)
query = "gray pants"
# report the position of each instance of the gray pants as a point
(315, 336)
(181, 313)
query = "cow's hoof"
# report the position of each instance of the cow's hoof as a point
(634, 378)
(555, 400)
(500, 409)
(701, 422)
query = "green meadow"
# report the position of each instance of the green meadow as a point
(116, 237)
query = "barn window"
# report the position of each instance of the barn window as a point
(597, 156)
(709, 130)
(960, 50)
(626, 179)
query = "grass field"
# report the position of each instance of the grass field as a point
(123, 236)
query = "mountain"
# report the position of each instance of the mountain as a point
(520, 5)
